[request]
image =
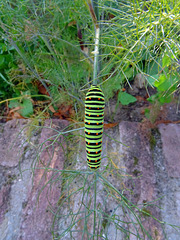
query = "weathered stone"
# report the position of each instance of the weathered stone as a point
(42, 198)
(168, 187)
(128, 168)
(11, 143)
(11, 179)
(170, 135)
(140, 171)
(76, 214)
(134, 160)
(4, 198)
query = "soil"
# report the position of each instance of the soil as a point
(134, 112)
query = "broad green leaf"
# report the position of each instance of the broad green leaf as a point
(129, 72)
(165, 99)
(163, 83)
(126, 98)
(27, 108)
(153, 79)
(14, 103)
(166, 61)
(153, 98)
(153, 67)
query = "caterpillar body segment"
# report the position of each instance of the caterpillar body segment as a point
(94, 120)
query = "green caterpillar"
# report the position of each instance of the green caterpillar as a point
(94, 120)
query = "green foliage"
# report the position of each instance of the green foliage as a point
(12, 83)
(25, 105)
(136, 37)
(166, 82)
(126, 98)
(45, 40)
(145, 37)
(6, 63)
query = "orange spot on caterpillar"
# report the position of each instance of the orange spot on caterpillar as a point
(88, 132)
(101, 141)
(89, 108)
(96, 152)
(98, 108)
(88, 143)
(98, 98)
(95, 167)
(96, 143)
(88, 152)
(96, 133)
(97, 123)
(95, 160)
(97, 115)
(89, 114)
(88, 122)
(90, 98)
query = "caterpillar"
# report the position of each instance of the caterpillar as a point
(93, 121)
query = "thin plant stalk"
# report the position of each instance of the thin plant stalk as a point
(94, 15)
(95, 191)
(96, 55)
(97, 35)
